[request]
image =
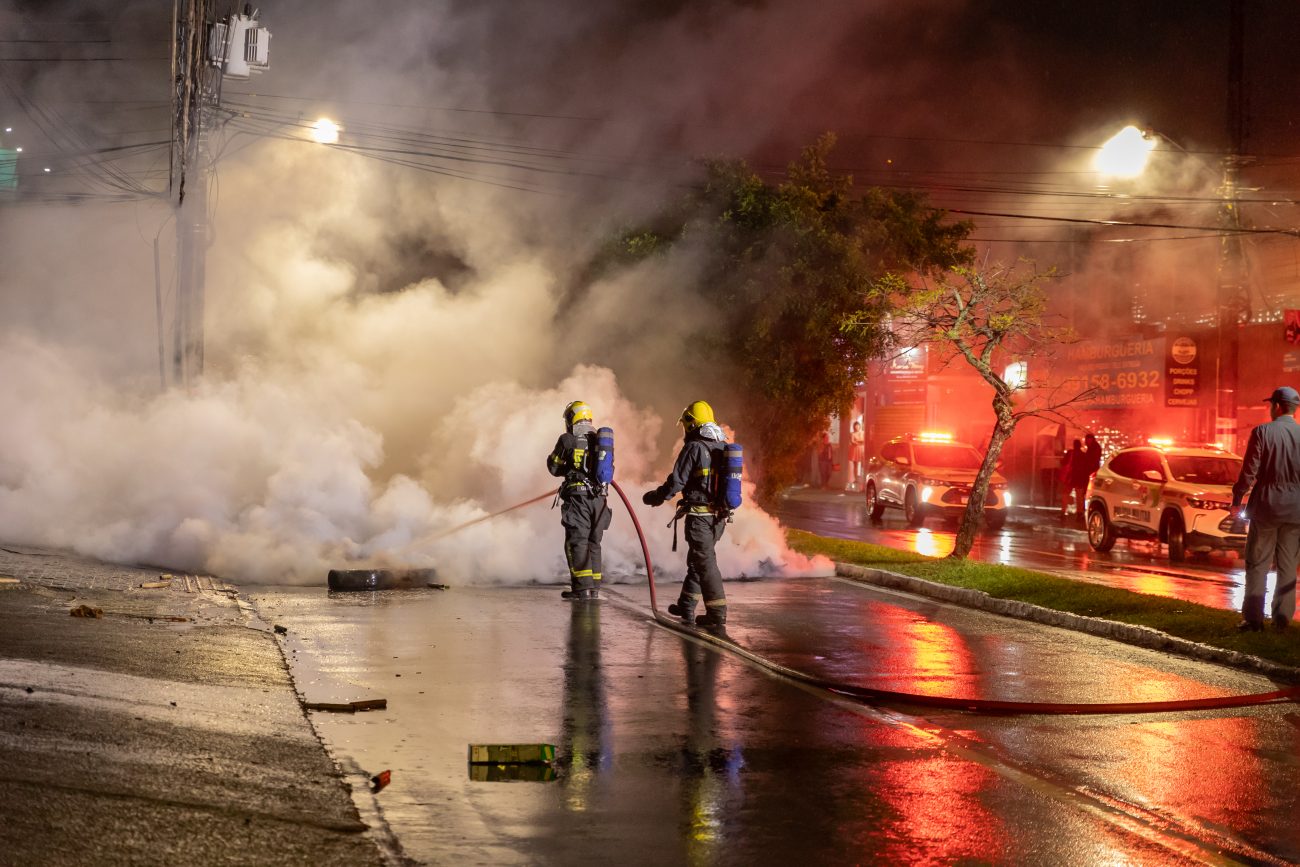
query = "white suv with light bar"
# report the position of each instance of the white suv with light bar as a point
(1162, 492)
(929, 474)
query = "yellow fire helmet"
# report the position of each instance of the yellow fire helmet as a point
(696, 414)
(576, 412)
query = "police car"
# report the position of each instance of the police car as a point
(1163, 492)
(929, 474)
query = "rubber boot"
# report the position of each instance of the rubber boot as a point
(713, 618)
(679, 609)
(577, 594)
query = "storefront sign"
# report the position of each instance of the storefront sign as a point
(1118, 373)
(905, 378)
(1182, 373)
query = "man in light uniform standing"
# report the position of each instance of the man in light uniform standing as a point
(1270, 473)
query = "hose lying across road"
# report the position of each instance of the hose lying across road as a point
(872, 695)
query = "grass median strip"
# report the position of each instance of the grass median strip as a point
(1188, 620)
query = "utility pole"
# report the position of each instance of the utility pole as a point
(1233, 300)
(205, 51)
(191, 91)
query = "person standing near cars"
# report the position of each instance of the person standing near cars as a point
(825, 460)
(1270, 474)
(1081, 470)
(857, 453)
(1072, 466)
(1092, 454)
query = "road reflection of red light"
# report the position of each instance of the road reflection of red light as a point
(1198, 770)
(1211, 593)
(920, 656)
(941, 816)
(928, 544)
(1201, 769)
(1155, 585)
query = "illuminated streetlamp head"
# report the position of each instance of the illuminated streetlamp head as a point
(1125, 154)
(325, 131)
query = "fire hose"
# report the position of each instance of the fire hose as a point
(873, 695)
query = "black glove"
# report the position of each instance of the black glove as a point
(652, 498)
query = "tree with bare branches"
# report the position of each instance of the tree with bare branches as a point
(986, 316)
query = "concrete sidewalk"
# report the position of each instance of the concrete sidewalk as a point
(166, 731)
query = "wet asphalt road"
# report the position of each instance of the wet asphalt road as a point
(1215, 579)
(674, 752)
(135, 739)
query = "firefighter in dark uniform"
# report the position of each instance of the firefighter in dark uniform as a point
(692, 475)
(584, 512)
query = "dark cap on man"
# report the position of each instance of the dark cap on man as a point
(1284, 394)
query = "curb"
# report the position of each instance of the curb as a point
(1140, 636)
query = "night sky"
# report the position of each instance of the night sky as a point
(990, 106)
(755, 78)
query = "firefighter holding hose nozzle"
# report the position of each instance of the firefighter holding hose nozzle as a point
(584, 458)
(699, 474)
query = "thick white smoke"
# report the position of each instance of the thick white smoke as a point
(258, 480)
(339, 427)
(388, 350)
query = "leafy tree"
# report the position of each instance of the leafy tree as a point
(788, 265)
(984, 316)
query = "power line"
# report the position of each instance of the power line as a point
(1093, 222)
(395, 158)
(329, 100)
(410, 135)
(432, 145)
(415, 148)
(534, 158)
(1201, 237)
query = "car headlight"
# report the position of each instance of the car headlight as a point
(938, 483)
(1006, 498)
(1208, 505)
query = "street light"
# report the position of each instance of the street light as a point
(325, 131)
(1124, 155)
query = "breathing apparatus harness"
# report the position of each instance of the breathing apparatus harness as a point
(720, 480)
(590, 463)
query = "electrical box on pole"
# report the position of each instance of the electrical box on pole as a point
(239, 47)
